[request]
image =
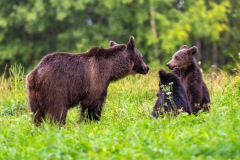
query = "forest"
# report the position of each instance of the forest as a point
(31, 29)
(127, 130)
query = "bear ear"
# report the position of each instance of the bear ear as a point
(184, 47)
(131, 43)
(161, 72)
(193, 50)
(112, 43)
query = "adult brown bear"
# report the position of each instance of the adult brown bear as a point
(62, 80)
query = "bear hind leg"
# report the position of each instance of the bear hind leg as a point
(38, 113)
(38, 116)
(57, 114)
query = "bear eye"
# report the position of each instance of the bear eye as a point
(176, 57)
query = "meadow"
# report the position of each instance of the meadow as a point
(126, 130)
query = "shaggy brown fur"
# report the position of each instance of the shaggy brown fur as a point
(186, 66)
(174, 99)
(62, 80)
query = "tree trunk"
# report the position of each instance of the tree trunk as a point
(214, 55)
(199, 54)
(154, 30)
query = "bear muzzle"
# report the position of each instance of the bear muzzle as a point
(143, 69)
(146, 70)
(169, 66)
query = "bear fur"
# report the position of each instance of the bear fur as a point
(184, 62)
(62, 80)
(172, 99)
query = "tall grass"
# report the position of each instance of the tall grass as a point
(12, 92)
(126, 131)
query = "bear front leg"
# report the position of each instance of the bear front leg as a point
(195, 97)
(95, 111)
(91, 112)
(206, 99)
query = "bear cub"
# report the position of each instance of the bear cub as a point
(62, 80)
(171, 95)
(188, 70)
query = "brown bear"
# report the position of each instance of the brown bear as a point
(62, 80)
(185, 63)
(171, 95)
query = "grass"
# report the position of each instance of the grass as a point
(126, 131)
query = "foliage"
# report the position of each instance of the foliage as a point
(12, 92)
(31, 29)
(126, 130)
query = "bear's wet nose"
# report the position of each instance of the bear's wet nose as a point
(168, 64)
(147, 68)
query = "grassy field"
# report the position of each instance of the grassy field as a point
(126, 131)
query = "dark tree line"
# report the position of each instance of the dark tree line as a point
(31, 29)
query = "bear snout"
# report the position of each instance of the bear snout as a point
(141, 69)
(169, 66)
(145, 69)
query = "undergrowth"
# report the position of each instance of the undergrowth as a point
(126, 131)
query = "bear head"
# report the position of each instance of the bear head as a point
(134, 55)
(166, 78)
(183, 58)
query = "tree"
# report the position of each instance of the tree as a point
(31, 29)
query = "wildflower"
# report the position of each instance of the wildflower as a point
(169, 93)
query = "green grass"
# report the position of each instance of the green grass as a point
(126, 131)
